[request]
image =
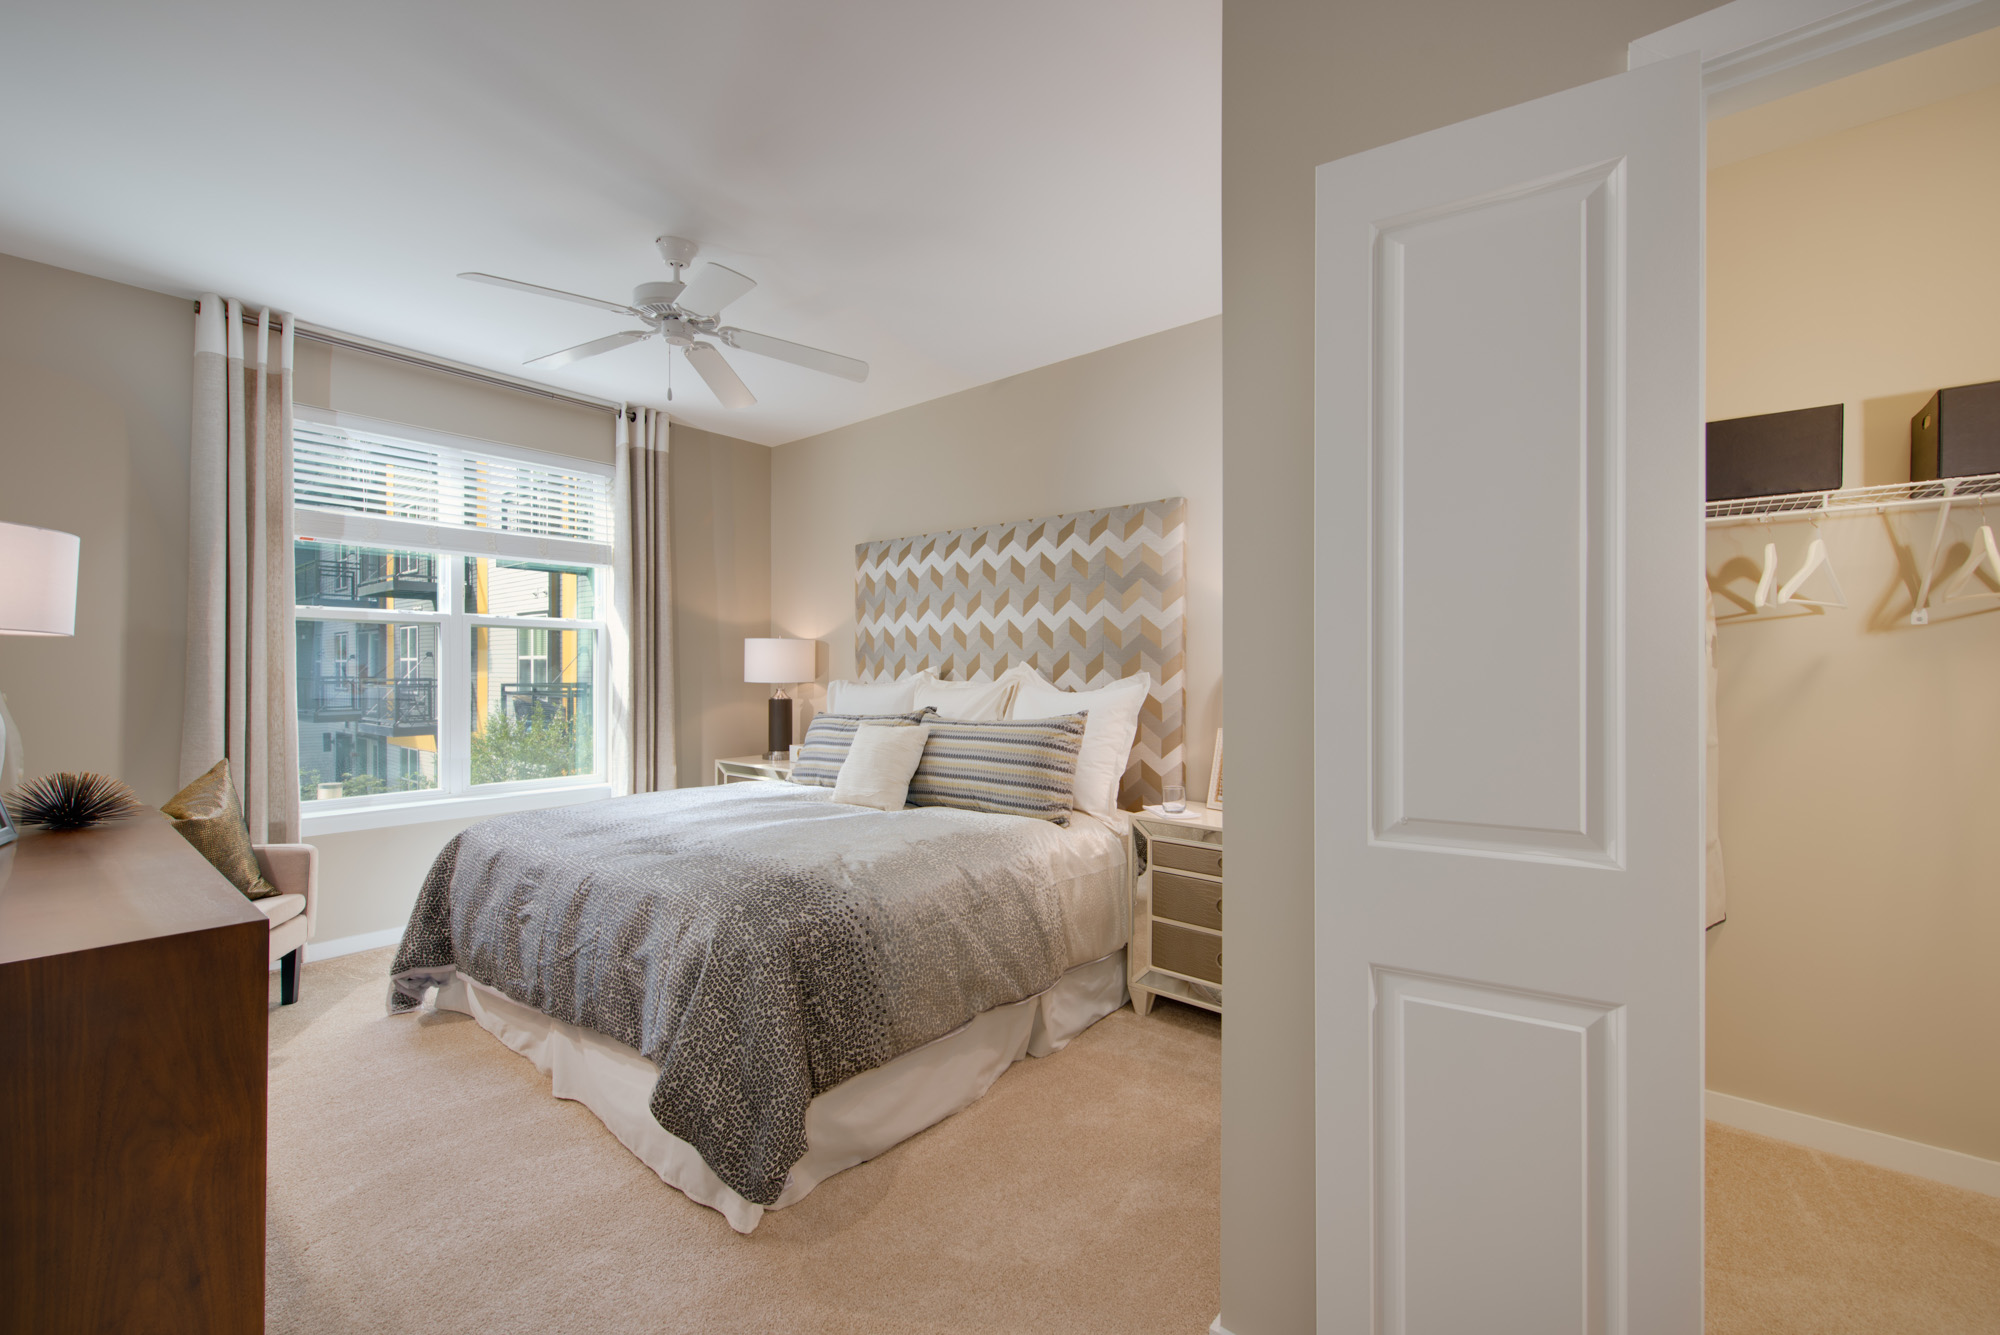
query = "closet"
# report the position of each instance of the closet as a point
(1854, 269)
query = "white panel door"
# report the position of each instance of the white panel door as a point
(1508, 503)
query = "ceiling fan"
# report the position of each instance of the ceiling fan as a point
(682, 313)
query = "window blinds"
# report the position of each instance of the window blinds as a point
(354, 484)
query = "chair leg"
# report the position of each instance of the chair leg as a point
(288, 976)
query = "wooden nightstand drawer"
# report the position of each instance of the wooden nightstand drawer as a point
(1185, 899)
(1182, 857)
(1185, 950)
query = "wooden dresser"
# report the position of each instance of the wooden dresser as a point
(1176, 948)
(133, 998)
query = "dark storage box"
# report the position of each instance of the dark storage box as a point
(1775, 454)
(1957, 434)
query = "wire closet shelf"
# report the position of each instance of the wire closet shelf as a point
(1855, 500)
(1939, 495)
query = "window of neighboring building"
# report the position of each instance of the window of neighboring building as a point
(449, 619)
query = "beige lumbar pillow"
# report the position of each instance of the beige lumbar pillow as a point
(208, 816)
(879, 764)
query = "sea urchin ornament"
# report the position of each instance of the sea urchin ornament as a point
(72, 801)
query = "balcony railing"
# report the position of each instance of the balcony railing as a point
(538, 701)
(364, 579)
(408, 705)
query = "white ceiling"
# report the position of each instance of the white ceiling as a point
(954, 192)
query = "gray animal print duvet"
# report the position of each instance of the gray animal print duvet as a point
(758, 942)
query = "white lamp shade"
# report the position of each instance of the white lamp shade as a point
(782, 661)
(37, 581)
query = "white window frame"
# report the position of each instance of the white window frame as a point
(455, 797)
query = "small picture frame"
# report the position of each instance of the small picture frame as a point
(1215, 773)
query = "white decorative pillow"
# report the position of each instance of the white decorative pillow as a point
(1112, 727)
(879, 764)
(875, 697)
(972, 701)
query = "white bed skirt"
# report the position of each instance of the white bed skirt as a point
(847, 1125)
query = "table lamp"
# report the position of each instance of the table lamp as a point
(781, 663)
(37, 597)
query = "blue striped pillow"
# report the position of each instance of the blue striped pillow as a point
(828, 738)
(1018, 767)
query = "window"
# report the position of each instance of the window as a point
(449, 617)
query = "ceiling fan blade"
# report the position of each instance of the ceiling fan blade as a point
(555, 292)
(708, 363)
(813, 359)
(712, 289)
(592, 348)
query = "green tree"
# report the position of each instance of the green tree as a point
(510, 749)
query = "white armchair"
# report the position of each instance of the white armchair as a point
(293, 911)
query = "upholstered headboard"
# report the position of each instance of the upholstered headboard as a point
(1086, 598)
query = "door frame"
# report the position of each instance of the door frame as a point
(1756, 51)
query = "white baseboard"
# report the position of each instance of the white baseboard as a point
(1950, 1167)
(348, 945)
(1216, 1327)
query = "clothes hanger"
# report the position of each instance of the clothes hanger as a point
(1767, 582)
(1816, 559)
(1984, 553)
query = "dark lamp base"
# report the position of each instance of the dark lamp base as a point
(781, 725)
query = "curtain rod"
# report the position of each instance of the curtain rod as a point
(357, 343)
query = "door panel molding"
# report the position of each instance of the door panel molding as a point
(1452, 1170)
(1512, 758)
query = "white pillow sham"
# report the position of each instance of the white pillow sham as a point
(1108, 734)
(970, 701)
(879, 764)
(875, 697)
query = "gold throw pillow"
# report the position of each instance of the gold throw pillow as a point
(208, 816)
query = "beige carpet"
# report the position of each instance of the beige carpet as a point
(423, 1179)
(1804, 1243)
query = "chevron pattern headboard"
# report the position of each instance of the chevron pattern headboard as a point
(1086, 598)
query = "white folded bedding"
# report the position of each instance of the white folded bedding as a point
(848, 1124)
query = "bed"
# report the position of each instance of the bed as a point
(754, 986)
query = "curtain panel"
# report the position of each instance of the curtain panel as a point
(240, 694)
(642, 668)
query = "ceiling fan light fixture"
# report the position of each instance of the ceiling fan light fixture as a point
(681, 312)
(657, 298)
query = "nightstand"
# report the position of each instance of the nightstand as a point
(1176, 948)
(751, 769)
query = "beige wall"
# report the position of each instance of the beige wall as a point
(1305, 82)
(1133, 422)
(95, 402)
(722, 596)
(368, 879)
(1856, 978)
(1858, 268)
